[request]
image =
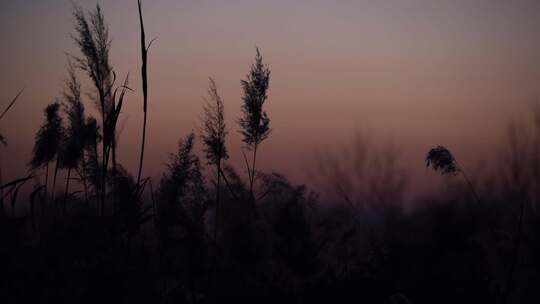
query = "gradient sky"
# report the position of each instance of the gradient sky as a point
(421, 72)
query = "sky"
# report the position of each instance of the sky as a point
(417, 73)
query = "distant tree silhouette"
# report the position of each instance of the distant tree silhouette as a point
(362, 173)
(254, 124)
(48, 140)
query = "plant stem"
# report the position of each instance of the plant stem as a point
(46, 185)
(142, 150)
(229, 186)
(218, 190)
(83, 178)
(471, 187)
(54, 178)
(66, 191)
(515, 258)
(216, 224)
(144, 75)
(2, 189)
(103, 173)
(468, 181)
(253, 172)
(114, 171)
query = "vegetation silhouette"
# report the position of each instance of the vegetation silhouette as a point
(48, 142)
(144, 76)
(254, 124)
(207, 234)
(441, 159)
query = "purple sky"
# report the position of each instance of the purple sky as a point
(419, 72)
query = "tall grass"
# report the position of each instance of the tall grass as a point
(3, 140)
(92, 38)
(48, 140)
(254, 123)
(213, 136)
(144, 77)
(283, 244)
(441, 159)
(76, 136)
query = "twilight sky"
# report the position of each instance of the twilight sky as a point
(419, 72)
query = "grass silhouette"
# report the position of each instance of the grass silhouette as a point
(206, 234)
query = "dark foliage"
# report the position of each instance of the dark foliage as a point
(75, 132)
(49, 137)
(9, 106)
(352, 241)
(255, 122)
(92, 37)
(442, 160)
(214, 130)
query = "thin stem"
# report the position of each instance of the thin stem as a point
(46, 182)
(104, 150)
(66, 191)
(114, 172)
(54, 177)
(142, 150)
(144, 75)
(253, 172)
(154, 209)
(216, 224)
(515, 259)
(471, 187)
(469, 183)
(103, 175)
(83, 178)
(218, 190)
(2, 189)
(229, 186)
(247, 164)
(45, 195)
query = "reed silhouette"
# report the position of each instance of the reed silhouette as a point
(48, 142)
(207, 234)
(254, 124)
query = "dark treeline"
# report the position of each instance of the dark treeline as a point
(207, 232)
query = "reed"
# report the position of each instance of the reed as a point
(144, 77)
(254, 123)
